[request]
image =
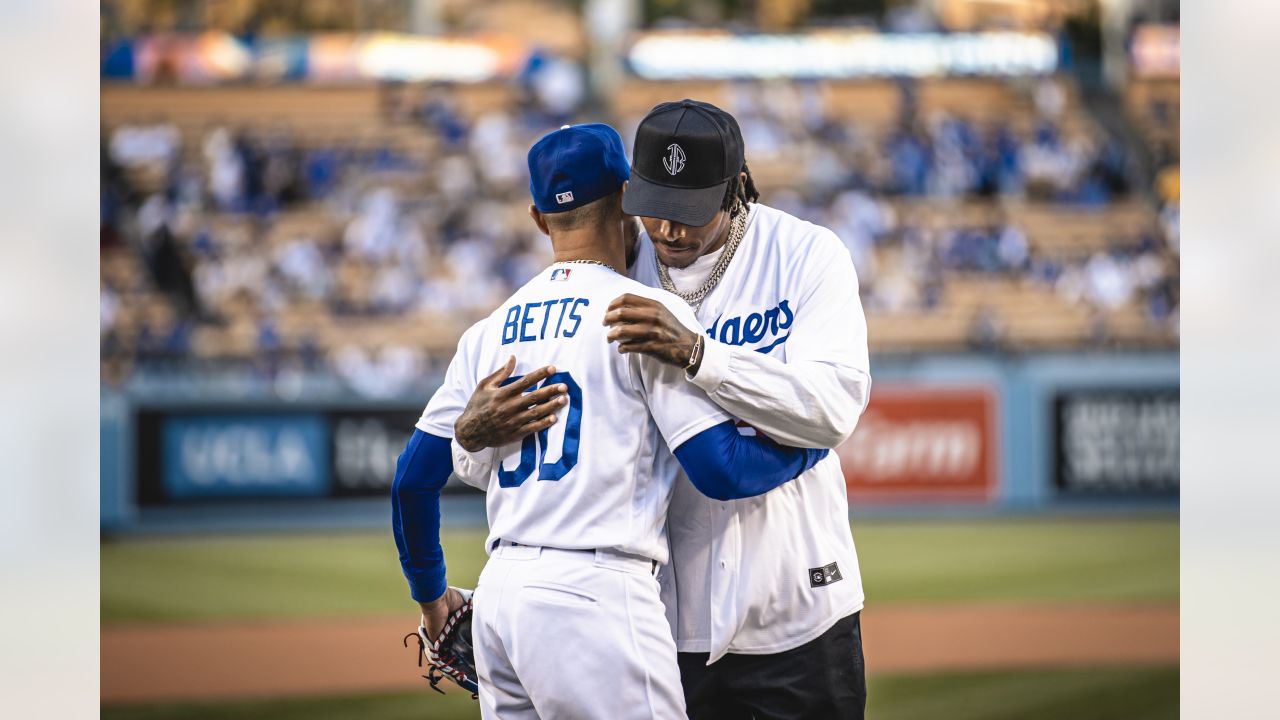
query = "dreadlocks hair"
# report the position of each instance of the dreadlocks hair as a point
(740, 193)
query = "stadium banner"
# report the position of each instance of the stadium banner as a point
(324, 58)
(1116, 442)
(229, 456)
(923, 444)
(345, 451)
(366, 444)
(835, 54)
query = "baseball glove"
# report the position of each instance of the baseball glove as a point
(451, 654)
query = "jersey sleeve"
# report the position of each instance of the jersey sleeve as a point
(815, 398)
(473, 468)
(679, 408)
(451, 398)
(833, 328)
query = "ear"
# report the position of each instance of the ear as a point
(538, 220)
(742, 178)
(621, 194)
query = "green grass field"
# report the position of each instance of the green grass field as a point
(194, 579)
(1097, 559)
(1129, 694)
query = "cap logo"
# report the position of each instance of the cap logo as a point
(674, 161)
(564, 197)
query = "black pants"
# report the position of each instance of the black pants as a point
(824, 678)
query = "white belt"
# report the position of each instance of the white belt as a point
(603, 557)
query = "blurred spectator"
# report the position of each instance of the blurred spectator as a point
(1168, 187)
(280, 176)
(860, 221)
(1168, 190)
(226, 170)
(108, 309)
(384, 373)
(380, 232)
(1049, 99)
(169, 267)
(986, 333)
(303, 266)
(909, 158)
(1011, 248)
(553, 87)
(1109, 280)
(154, 143)
(162, 335)
(439, 115)
(500, 159)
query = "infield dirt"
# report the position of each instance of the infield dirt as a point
(280, 658)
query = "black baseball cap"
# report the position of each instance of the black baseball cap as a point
(685, 154)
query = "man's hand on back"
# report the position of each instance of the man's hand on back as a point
(501, 412)
(646, 326)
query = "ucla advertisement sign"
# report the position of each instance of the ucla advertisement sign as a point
(191, 456)
(226, 456)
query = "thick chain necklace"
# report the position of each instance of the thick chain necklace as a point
(737, 230)
(585, 262)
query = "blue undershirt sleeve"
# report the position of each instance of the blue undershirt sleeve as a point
(726, 465)
(421, 472)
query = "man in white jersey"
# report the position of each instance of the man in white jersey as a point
(766, 592)
(569, 620)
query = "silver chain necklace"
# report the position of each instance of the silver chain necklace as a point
(737, 230)
(585, 262)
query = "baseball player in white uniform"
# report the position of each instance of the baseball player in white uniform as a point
(765, 593)
(569, 620)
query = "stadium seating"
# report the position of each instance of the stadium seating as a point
(1027, 315)
(1153, 106)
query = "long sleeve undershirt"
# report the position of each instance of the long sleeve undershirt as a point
(725, 465)
(421, 472)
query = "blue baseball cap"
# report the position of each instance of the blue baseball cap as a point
(576, 165)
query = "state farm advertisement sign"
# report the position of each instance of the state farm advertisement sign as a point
(923, 444)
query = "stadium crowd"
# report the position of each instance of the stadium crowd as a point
(402, 235)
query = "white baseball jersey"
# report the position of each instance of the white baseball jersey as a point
(787, 353)
(602, 477)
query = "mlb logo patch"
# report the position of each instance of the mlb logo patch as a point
(564, 197)
(560, 274)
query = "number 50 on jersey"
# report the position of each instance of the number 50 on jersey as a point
(533, 449)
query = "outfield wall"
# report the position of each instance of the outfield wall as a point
(943, 433)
